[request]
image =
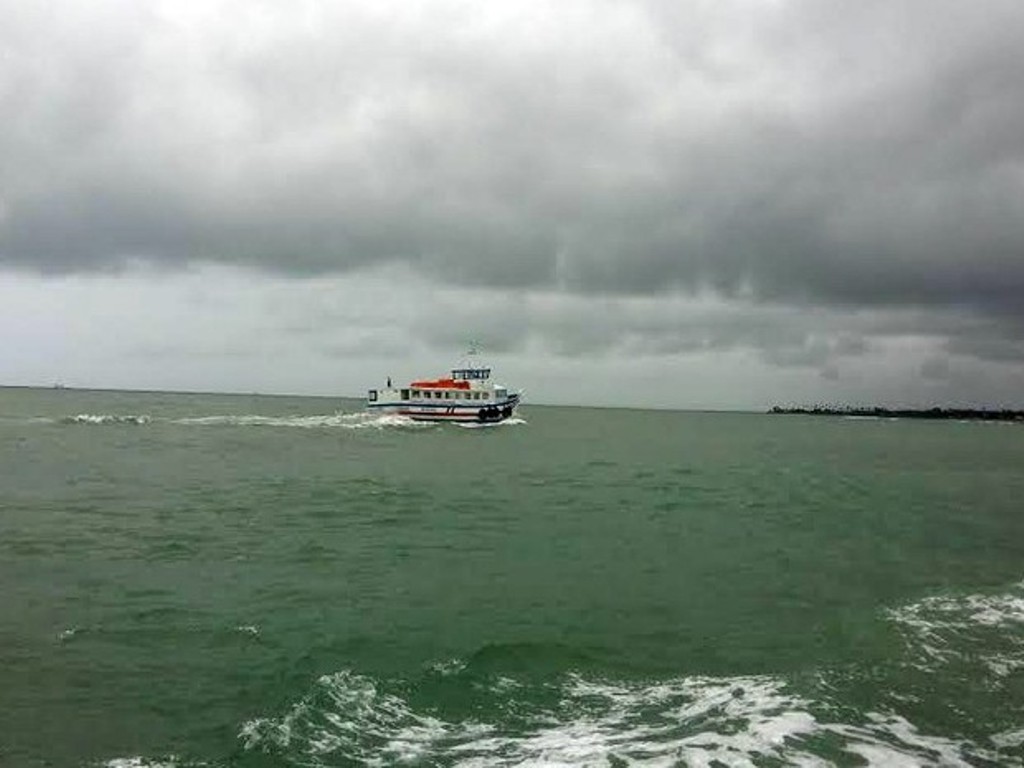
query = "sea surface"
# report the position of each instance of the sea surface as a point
(213, 580)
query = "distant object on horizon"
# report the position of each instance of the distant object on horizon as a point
(467, 396)
(877, 412)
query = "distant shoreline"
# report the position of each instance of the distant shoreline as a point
(878, 412)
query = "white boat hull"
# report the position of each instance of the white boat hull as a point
(473, 413)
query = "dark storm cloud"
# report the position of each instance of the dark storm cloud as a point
(620, 328)
(792, 152)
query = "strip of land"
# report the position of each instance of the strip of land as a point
(956, 414)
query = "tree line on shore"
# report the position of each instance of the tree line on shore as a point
(958, 414)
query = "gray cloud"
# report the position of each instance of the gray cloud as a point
(936, 368)
(860, 166)
(225, 328)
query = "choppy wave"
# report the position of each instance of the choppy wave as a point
(694, 721)
(508, 705)
(974, 628)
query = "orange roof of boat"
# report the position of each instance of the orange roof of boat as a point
(441, 384)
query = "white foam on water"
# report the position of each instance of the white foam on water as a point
(694, 721)
(892, 740)
(1002, 609)
(146, 762)
(359, 420)
(340, 420)
(988, 628)
(1009, 739)
(358, 722)
(448, 667)
(515, 421)
(170, 761)
(106, 419)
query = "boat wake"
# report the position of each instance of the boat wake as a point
(512, 422)
(106, 419)
(338, 420)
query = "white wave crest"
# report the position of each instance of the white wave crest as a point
(696, 721)
(346, 715)
(1009, 739)
(67, 634)
(171, 761)
(984, 627)
(106, 419)
(515, 421)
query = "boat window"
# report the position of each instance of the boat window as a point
(468, 374)
(372, 397)
(447, 395)
(405, 394)
(487, 395)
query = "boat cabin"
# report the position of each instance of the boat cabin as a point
(465, 384)
(467, 395)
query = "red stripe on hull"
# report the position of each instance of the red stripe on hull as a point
(439, 416)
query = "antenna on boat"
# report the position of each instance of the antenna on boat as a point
(470, 365)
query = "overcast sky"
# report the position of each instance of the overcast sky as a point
(677, 203)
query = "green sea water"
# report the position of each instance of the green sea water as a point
(204, 580)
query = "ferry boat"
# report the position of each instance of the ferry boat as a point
(468, 395)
